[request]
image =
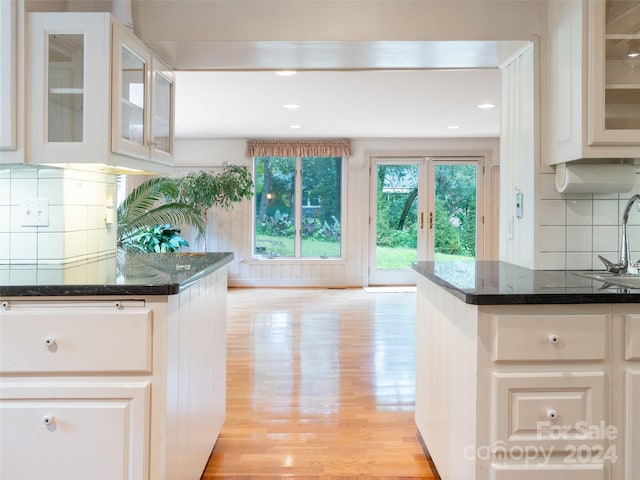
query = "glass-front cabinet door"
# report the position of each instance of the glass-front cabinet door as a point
(615, 72)
(68, 80)
(130, 95)
(162, 108)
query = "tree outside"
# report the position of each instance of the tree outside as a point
(320, 206)
(397, 213)
(455, 219)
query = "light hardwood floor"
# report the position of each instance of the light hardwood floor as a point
(320, 385)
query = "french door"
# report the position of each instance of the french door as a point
(422, 208)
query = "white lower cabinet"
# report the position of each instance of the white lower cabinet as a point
(75, 431)
(97, 388)
(550, 400)
(524, 392)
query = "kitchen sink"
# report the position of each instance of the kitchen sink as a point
(627, 280)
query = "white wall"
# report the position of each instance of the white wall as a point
(519, 153)
(231, 230)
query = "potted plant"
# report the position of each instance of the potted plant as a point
(147, 217)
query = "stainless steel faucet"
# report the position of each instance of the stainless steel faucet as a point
(623, 265)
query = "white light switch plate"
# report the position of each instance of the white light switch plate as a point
(35, 213)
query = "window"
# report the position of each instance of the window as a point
(298, 207)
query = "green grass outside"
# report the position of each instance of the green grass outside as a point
(395, 258)
(399, 258)
(283, 247)
(387, 258)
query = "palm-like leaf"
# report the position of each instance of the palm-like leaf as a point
(144, 197)
(139, 209)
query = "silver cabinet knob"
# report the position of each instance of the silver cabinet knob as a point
(49, 341)
(48, 419)
(552, 414)
(553, 338)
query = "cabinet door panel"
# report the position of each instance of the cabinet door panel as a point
(532, 408)
(68, 84)
(75, 339)
(74, 432)
(614, 81)
(130, 96)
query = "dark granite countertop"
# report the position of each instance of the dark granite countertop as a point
(126, 274)
(501, 283)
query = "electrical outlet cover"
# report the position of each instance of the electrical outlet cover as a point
(35, 213)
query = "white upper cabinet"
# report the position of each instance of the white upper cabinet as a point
(90, 86)
(592, 107)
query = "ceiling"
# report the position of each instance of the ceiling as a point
(363, 85)
(382, 103)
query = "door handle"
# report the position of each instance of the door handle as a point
(421, 220)
(430, 220)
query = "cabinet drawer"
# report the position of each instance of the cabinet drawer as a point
(549, 409)
(75, 339)
(632, 337)
(550, 337)
(74, 431)
(548, 472)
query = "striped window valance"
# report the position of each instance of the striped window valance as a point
(298, 148)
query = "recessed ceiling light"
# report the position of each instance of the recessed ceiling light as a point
(295, 126)
(291, 106)
(453, 127)
(286, 73)
(486, 105)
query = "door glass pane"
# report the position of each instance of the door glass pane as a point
(396, 216)
(321, 207)
(66, 88)
(274, 206)
(161, 112)
(455, 212)
(132, 101)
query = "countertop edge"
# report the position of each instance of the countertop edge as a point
(480, 296)
(146, 289)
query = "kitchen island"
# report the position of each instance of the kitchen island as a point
(526, 374)
(114, 368)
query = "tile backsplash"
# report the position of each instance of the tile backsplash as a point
(76, 227)
(576, 228)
